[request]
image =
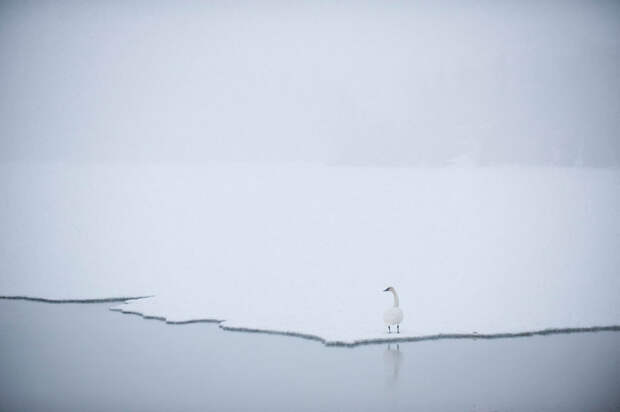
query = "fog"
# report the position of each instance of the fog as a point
(372, 83)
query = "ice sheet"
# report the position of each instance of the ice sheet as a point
(307, 249)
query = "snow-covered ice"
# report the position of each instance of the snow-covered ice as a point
(308, 249)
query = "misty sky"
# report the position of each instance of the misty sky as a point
(383, 83)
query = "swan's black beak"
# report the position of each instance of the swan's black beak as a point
(386, 289)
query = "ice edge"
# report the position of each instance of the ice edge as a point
(93, 300)
(350, 344)
(374, 341)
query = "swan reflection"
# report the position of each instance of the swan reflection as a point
(392, 359)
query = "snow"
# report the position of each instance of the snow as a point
(308, 249)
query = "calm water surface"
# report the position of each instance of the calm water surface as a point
(82, 357)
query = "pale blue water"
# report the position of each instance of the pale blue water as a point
(82, 357)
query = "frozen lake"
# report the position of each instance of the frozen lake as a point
(75, 357)
(241, 242)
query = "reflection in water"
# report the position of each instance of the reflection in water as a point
(66, 358)
(392, 358)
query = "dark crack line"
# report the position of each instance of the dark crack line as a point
(373, 341)
(376, 341)
(98, 300)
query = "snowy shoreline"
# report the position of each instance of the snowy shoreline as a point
(394, 338)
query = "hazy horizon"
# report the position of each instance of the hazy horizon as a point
(372, 83)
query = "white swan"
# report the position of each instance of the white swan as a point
(393, 316)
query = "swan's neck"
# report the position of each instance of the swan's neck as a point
(395, 298)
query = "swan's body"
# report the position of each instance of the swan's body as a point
(394, 315)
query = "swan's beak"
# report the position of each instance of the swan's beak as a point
(386, 289)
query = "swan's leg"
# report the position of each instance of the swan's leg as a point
(389, 330)
(398, 328)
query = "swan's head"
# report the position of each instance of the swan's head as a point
(389, 289)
